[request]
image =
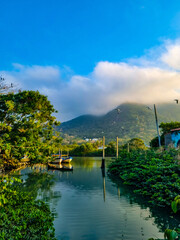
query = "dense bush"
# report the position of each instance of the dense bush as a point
(21, 216)
(153, 174)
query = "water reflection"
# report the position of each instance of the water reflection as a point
(118, 190)
(89, 205)
(104, 183)
(38, 183)
(161, 216)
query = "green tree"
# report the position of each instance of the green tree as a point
(135, 144)
(26, 126)
(86, 148)
(155, 141)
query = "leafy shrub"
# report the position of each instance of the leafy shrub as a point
(21, 216)
(153, 174)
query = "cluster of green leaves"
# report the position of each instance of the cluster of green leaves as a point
(175, 205)
(152, 174)
(172, 234)
(26, 127)
(21, 216)
(169, 233)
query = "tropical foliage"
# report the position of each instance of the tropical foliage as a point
(155, 175)
(21, 216)
(26, 127)
(26, 130)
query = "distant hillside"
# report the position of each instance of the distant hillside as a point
(131, 120)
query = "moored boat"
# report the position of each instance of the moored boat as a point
(66, 160)
(60, 167)
(57, 161)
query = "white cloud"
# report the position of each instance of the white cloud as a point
(172, 55)
(38, 73)
(32, 77)
(153, 78)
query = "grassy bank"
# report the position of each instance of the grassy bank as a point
(154, 175)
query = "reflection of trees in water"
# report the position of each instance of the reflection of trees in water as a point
(84, 162)
(39, 185)
(163, 219)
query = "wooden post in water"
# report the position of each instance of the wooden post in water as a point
(117, 148)
(103, 158)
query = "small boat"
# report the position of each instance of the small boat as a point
(60, 167)
(60, 158)
(57, 161)
(66, 160)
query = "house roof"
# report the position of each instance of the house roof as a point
(176, 129)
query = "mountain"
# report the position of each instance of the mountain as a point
(129, 121)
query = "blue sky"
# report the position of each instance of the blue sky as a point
(77, 48)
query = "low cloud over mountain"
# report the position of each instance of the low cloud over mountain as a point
(152, 78)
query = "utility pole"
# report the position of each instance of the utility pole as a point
(157, 125)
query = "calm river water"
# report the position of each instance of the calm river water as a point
(89, 205)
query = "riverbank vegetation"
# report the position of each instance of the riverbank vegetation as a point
(94, 149)
(153, 174)
(26, 135)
